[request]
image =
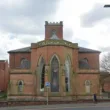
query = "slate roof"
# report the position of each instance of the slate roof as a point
(21, 50)
(2, 60)
(84, 50)
(28, 50)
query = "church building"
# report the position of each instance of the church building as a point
(67, 68)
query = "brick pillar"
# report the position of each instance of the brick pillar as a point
(63, 83)
(38, 82)
(46, 79)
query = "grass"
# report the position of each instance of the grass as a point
(3, 95)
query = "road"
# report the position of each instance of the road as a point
(100, 106)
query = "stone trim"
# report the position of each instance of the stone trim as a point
(52, 42)
(90, 71)
(20, 71)
(21, 94)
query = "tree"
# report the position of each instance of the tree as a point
(105, 67)
(105, 63)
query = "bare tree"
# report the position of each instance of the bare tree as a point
(105, 63)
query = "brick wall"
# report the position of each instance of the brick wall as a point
(48, 51)
(93, 59)
(29, 83)
(107, 86)
(15, 59)
(79, 83)
(4, 75)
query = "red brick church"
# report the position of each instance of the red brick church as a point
(70, 69)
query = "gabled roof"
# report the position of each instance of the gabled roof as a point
(28, 50)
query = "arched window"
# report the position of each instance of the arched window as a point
(25, 63)
(67, 74)
(87, 86)
(20, 86)
(54, 74)
(86, 60)
(84, 64)
(42, 74)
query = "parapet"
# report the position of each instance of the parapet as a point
(54, 23)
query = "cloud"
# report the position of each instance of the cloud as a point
(97, 13)
(22, 22)
(105, 49)
(28, 39)
(81, 42)
(68, 34)
(26, 16)
(7, 44)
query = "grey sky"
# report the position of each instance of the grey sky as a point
(22, 22)
(96, 14)
(26, 17)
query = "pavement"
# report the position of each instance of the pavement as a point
(78, 106)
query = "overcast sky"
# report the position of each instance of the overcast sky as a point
(85, 22)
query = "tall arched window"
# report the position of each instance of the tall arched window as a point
(87, 86)
(42, 74)
(67, 74)
(25, 63)
(54, 74)
(20, 86)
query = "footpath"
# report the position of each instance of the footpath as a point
(47, 107)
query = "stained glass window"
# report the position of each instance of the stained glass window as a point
(43, 77)
(42, 74)
(25, 63)
(67, 74)
(54, 75)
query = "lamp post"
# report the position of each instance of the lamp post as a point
(107, 6)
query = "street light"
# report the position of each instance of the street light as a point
(107, 6)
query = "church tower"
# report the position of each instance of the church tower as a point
(53, 30)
